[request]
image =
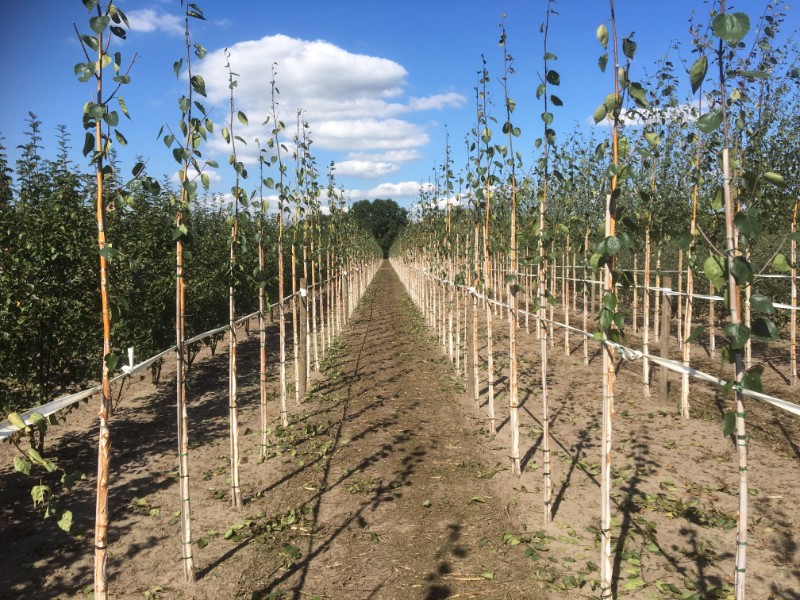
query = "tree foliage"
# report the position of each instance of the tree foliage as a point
(384, 219)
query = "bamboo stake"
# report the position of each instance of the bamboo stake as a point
(793, 318)
(687, 346)
(180, 345)
(712, 332)
(657, 296)
(609, 372)
(262, 323)
(233, 416)
(734, 294)
(513, 395)
(635, 316)
(680, 294)
(104, 441)
(303, 334)
(646, 310)
(278, 127)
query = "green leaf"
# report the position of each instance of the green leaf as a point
(719, 199)
(751, 380)
(531, 553)
(488, 575)
(552, 77)
(242, 118)
(738, 334)
(753, 74)
(774, 178)
(731, 27)
(292, 551)
(22, 466)
(111, 361)
(556, 100)
(99, 24)
(16, 420)
(628, 47)
(761, 303)
(639, 94)
(714, 271)
(600, 113)
(612, 245)
(65, 522)
(602, 35)
(695, 335)
(685, 241)
(610, 301)
(602, 62)
(747, 224)
(111, 118)
(765, 329)
(202, 543)
(123, 106)
(781, 264)
(511, 539)
(652, 138)
(34, 455)
(741, 270)
(198, 84)
(728, 423)
(697, 73)
(606, 318)
(709, 121)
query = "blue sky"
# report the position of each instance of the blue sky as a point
(379, 80)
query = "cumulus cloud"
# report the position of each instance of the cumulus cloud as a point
(369, 134)
(404, 189)
(148, 20)
(366, 165)
(366, 169)
(354, 102)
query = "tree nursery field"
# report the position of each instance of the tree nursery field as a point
(573, 376)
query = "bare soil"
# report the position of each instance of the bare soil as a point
(388, 484)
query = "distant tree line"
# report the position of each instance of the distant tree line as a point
(384, 219)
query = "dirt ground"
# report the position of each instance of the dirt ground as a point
(388, 484)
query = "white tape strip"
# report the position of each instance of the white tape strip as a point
(632, 354)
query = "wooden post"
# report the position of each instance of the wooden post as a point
(302, 356)
(472, 367)
(666, 313)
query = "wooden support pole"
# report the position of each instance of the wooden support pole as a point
(472, 342)
(666, 314)
(302, 356)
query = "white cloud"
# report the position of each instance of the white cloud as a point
(395, 156)
(366, 169)
(366, 165)
(437, 102)
(148, 20)
(368, 134)
(352, 101)
(404, 189)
